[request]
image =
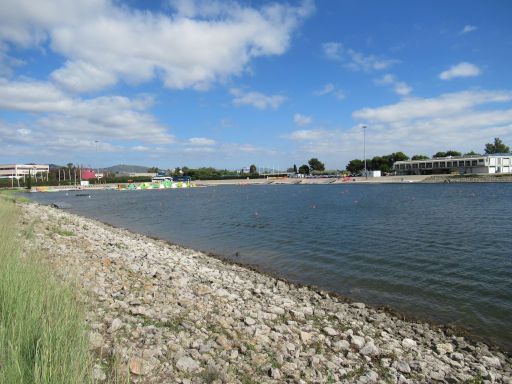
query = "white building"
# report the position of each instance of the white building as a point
(495, 163)
(22, 171)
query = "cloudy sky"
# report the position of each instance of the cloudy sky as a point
(231, 83)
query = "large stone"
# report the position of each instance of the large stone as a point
(402, 366)
(305, 337)
(369, 350)
(249, 321)
(136, 364)
(358, 305)
(96, 341)
(116, 325)
(408, 343)
(491, 361)
(341, 345)
(357, 341)
(444, 348)
(330, 331)
(187, 364)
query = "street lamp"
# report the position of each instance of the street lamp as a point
(363, 127)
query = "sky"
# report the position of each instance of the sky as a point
(232, 83)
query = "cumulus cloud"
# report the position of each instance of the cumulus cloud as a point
(68, 120)
(354, 60)
(460, 70)
(197, 45)
(463, 119)
(256, 99)
(468, 28)
(302, 120)
(399, 87)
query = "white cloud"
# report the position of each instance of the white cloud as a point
(444, 105)
(194, 47)
(460, 70)
(399, 87)
(355, 60)
(329, 88)
(468, 28)
(302, 120)
(71, 119)
(256, 99)
(201, 141)
(462, 120)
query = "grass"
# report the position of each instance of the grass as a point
(42, 328)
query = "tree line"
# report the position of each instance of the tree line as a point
(385, 163)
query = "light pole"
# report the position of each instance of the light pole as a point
(96, 142)
(363, 127)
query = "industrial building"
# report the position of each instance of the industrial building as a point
(474, 164)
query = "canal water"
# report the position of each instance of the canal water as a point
(442, 252)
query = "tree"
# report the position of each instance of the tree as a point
(440, 154)
(398, 156)
(419, 157)
(471, 153)
(252, 168)
(304, 169)
(355, 166)
(153, 170)
(497, 147)
(451, 152)
(316, 165)
(295, 168)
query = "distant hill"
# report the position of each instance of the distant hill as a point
(124, 168)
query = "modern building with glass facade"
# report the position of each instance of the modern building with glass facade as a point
(487, 164)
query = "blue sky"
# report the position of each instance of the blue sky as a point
(234, 83)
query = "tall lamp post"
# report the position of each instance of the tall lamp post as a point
(363, 127)
(96, 142)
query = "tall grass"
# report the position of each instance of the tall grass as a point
(42, 328)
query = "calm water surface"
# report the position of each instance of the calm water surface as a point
(440, 252)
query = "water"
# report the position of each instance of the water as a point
(441, 252)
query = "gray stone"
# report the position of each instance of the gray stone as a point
(341, 345)
(330, 331)
(249, 321)
(402, 366)
(358, 305)
(369, 350)
(305, 337)
(116, 325)
(187, 364)
(98, 374)
(357, 341)
(408, 343)
(444, 348)
(491, 361)
(457, 356)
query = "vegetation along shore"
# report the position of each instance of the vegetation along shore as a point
(160, 313)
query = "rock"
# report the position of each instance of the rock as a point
(370, 378)
(116, 325)
(187, 364)
(341, 345)
(277, 310)
(491, 361)
(444, 348)
(305, 337)
(402, 366)
(249, 321)
(330, 331)
(369, 350)
(357, 341)
(457, 356)
(135, 364)
(275, 373)
(98, 374)
(358, 305)
(96, 341)
(408, 343)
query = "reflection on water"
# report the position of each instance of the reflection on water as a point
(443, 252)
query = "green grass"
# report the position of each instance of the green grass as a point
(42, 328)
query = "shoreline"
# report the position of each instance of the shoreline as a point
(325, 328)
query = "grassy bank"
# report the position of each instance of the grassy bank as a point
(42, 331)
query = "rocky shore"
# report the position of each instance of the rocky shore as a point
(160, 313)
